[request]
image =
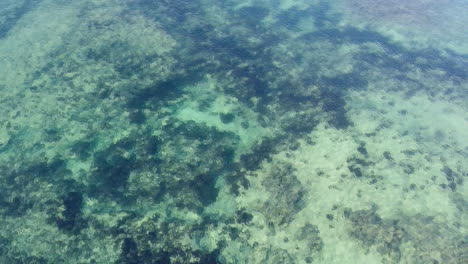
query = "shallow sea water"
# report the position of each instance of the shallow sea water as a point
(261, 131)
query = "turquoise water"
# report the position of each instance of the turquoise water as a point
(262, 131)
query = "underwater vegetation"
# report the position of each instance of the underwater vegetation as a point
(225, 132)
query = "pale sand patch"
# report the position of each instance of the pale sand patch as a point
(322, 168)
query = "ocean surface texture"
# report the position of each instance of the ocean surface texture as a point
(233, 132)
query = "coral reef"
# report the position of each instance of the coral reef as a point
(225, 132)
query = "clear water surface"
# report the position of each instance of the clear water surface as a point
(260, 131)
